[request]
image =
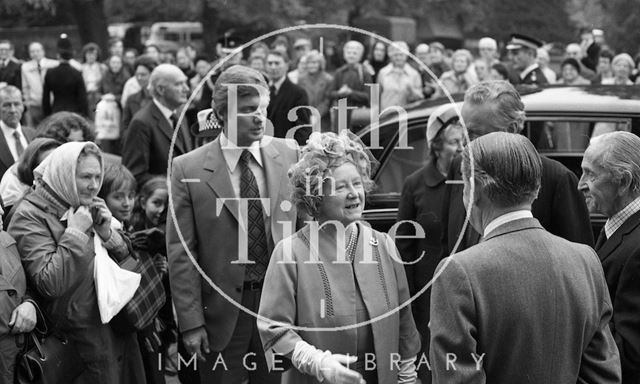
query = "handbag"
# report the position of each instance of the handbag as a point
(49, 359)
(150, 296)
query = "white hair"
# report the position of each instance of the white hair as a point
(621, 157)
(488, 42)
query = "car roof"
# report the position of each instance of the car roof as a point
(593, 99)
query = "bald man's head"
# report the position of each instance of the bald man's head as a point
(168, 85)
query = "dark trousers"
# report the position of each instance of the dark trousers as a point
(243, 358)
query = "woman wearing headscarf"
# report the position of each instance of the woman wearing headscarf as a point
(421, 202)
(55, 228)
(354, 287)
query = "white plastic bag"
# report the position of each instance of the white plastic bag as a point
(114, 286)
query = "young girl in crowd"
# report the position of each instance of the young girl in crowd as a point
(150, 207)
(143, 216)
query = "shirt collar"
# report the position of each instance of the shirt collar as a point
(232, 152)
(506, 218)
(166, 112)
(615, 222)
(8, 131)
(278, 83)
(528, 70)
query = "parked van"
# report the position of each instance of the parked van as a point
(171, 35)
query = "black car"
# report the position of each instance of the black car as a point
(560, 122)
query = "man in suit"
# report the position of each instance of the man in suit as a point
(9, 66)
(523, 306)
(284, 97)
(229, 232)
(33, 72)
(610, 183)
(523, 51)
(14, 138)
(148, 138)
(496, 106)
(65, 83)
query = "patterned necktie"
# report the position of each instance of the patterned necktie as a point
(19, 147)
(272, 90)
(256, 231)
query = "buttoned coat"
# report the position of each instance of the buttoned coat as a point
(207, 230)
(294, 291)
(147, 142)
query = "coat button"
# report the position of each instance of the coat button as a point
(238, 289)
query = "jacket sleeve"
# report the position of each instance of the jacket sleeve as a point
(135, 151)
(81, 92)
(46, 95)
(626, 315)
(570, 214)
(184, 278)
(600, 359)
(409, 345)
(52, 267)
(278, 305)
(453, 328)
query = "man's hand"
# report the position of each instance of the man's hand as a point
(335, 371)
(101, 218)
(196, 342)
(23, 318)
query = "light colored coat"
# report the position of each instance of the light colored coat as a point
(293, 294)
(210, 233)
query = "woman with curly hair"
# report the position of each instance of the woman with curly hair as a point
(65, 127)
(337, 274)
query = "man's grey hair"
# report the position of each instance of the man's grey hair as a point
(621, 157)
(507, 168)
(8, 91)
(508, 106)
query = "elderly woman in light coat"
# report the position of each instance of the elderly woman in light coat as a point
(356, 290)
(54, 228)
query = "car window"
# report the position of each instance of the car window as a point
(401, 162)
(566, 139)
(172, 36)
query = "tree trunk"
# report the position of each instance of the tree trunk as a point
(92, 22)
(210, 20)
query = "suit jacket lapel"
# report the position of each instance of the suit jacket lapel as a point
(5, 153)
(163, 125)
(219, 180)
(614, 242)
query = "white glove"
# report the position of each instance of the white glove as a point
(325, 366)
(407, 373)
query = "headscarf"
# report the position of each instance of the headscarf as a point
(58, 170)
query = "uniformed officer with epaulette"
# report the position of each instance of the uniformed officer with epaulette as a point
(522, 53)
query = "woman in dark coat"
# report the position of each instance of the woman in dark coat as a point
(58, 228)
(421, 203)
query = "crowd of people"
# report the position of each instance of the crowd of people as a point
(267, 265)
